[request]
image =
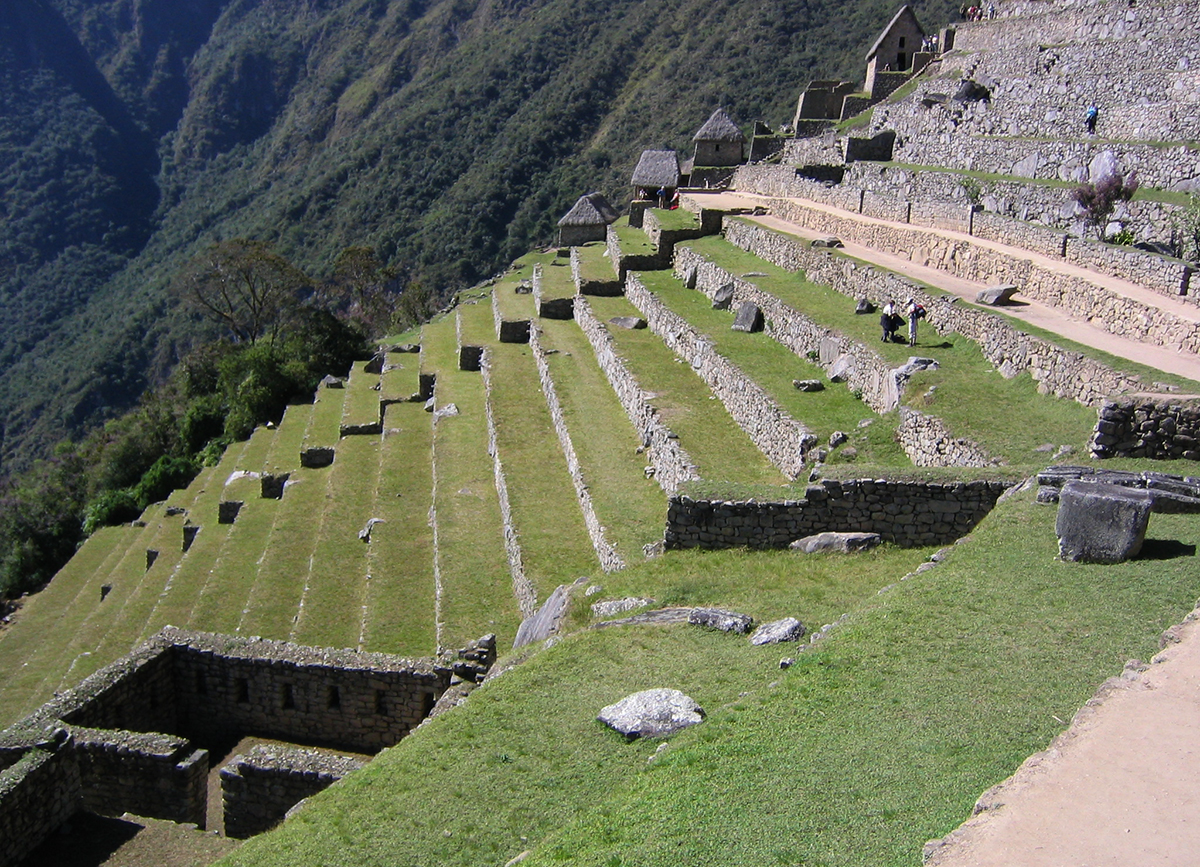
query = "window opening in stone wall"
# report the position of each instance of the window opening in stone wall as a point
(380, 702)
(335, 699)
(242, 690)
(289, 697)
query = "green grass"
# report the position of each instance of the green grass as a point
(476, 323)
(720, 449)
(634, 242)
(594, 264)
(557, 281)
(631, 507)
(773, 367)
(284, 454)
(400, 380)
(325, 424)
(477, 595)
(555, 547)
(513, 306)
(361, 404)
(874, 742)
(677, 220)
(1018, 419)
(400, 593)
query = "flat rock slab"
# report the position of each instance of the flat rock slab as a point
(749, 318)
(996, 296)
(544, 623)
(829, 241)
(652, 713)
(613, 607)
(717, 618)
(1101, 523)
(631, 322)
(916, 363)
(841, 543)
(808, 385)
(778, 631)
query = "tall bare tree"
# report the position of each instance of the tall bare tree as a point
(244, 286)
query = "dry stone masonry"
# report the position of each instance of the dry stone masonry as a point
(1137, 429)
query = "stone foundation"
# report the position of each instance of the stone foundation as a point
(1128, 429)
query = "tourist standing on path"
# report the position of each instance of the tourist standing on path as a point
(1090, 117)
(914, 311)
(887, 321)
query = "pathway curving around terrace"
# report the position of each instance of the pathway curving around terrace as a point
(1032, 312)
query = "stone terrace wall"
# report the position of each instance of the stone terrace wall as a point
(929, 443)
(226, 686)
(623, 264)
(860, 367)
(610, 560)
(909, 514)
(781, 438)
(1145, 429)
(608, 286)
(145, 774)
(1076, 295)
(37, 795)
(259, 787)
(1011, 352)
(672, 465)
(664, 240)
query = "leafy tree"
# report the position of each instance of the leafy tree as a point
(1100, 199)
(243, 286)
(362, 289)
(1187, 229)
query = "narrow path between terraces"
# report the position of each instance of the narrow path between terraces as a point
(1035, 314)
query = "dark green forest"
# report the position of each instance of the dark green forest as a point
(447, 135)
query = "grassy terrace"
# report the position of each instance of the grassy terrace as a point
(633, 241)
(594, 264)
(400, 592)
(877, 740)
(1019, 421)
(325, 424)
(400, 378)
(556, 279)
(773, 367)
(513, 306)
(555, 546)
(720, 448)
(477, 594)
(284, 454)
(674, 221)
(361, 405)
(631, 507)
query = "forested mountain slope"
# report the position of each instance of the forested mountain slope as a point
(448, 134)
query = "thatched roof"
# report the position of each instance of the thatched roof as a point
(657, 168)
(591, 210)
(905, 12)
(719, 127)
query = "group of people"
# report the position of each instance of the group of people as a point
(930, 44)
(891, 321)
(977, 13)
(664, 200)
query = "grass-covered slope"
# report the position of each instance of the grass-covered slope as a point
(878, 739)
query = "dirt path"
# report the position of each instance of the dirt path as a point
(1048, 318)
(1117, 788)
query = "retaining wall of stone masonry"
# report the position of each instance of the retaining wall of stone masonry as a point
(508, 330)
(672, 465)
(1146, 429)
(858, 366)
(550, 308)
(929, 443)
(623, 264)
(1011, 352)
(1075, 295)
(260, 786)
(610, 560)
(909, 514)
(782, 439)
(147, 774)
(664, 240)
(522, 588)
(37, 795)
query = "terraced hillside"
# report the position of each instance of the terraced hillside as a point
(566, 426)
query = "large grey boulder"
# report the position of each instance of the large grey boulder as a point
(630, 322)
(749, 318)
(995, 296)
(808, 385)
(545, 621)
(778, 631)
(723, 297)
(1101, 523)
(841, 543)
(652, 713)
(717, 618)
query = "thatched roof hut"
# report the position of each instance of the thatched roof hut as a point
(587, 221)
(719, 142)
(657, 169)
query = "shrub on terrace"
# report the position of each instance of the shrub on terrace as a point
(1100, 199)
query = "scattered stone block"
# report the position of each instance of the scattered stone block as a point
(1101, 523)
(173, 511)
(864, 307)
(827, 241)
(545, 621)
(971, 91)
(1047, 494)
(842, 369)
(749, 318)
(652, 713)
(914, 364)
(430, 405)
(331, 381)
(272, 485)
(189, 535)
(630, 322)
(374, 367)
(778, 631)
(227, 511)
(450, 409)
(723, 297)
(405, 347)
(719, 619)
(315, 457)
(996, 296)
(364, 535)
(809, 385)
(613, 607)
(841, 543)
